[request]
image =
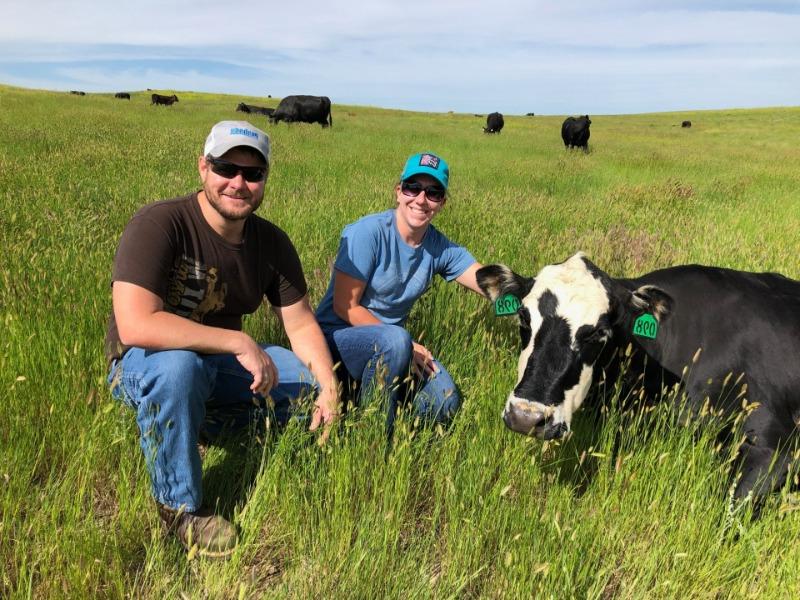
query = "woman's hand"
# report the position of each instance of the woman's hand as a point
(422, 361)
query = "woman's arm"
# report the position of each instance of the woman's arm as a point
(347, 292)
(468, 280)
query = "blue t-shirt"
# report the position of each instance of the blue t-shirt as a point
(396, 274)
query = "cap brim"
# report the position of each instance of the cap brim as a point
(425, 171)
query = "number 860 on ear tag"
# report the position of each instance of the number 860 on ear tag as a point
(646, 326)
(506, 305)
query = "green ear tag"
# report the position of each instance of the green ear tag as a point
(646, 326)
(506, 305)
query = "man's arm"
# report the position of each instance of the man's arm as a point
(308, 343)
(143, 322)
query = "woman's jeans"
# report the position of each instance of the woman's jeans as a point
(379, 357)
(182, 397)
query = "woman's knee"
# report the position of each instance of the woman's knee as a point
(439, 399)
(439, 409)
(394, 346)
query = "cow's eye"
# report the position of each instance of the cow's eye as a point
(590, 341)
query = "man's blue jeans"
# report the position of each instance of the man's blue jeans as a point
(379, 357)
(180, 395)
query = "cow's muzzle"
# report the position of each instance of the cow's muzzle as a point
(528, 419)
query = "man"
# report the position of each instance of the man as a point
(185, 272)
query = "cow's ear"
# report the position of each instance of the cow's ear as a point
(498, 280)
(652, 299)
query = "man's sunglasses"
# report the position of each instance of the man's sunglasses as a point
(229, 170)
(434, 193)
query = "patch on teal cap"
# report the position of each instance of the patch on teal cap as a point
(427, 163)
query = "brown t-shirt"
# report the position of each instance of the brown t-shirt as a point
(170, 249)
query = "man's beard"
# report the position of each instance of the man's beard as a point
(228, 214)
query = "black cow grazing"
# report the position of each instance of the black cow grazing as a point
(77, 93)
(686, 124)
(494, 123)
(251, 108)
(575, 132)
(305, 109)
(123, 95)
(529, 114)
(165, 100)
(730, 337)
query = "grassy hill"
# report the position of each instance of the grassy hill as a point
(634, 506)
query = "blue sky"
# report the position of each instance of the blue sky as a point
(513, 56)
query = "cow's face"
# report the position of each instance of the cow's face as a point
(564, 324)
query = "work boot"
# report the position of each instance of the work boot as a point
(214, 536)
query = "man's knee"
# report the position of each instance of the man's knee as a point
(291, 369)
(178, 367)
(168, 377)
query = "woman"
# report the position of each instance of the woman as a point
(384, 263)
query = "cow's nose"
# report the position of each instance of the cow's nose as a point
(523, 421)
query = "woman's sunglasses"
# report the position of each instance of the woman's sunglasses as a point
(229, 170)
(434, 193)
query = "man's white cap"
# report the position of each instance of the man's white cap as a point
(230, 134)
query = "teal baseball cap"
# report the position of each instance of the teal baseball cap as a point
(427, 163)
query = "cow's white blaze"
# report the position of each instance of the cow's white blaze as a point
(582, 300)
(573, 398)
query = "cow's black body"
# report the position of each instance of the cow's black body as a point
(575, 132)
(746, 327)
(730, 337)
(163, 100)
(122, 95)
(686, 124)
(305, 109)
(258, 110)
(77, 93)
(494, 123)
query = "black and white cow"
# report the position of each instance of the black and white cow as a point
(737, 332)
(494, 123)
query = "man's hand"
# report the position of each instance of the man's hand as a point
(422, 361)
(310, 346)
(253, 358)
(326, 411)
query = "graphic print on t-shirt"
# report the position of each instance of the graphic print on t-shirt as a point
(192, 290)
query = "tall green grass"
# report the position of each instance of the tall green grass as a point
(633, 505)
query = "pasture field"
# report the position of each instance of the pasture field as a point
(632, 505)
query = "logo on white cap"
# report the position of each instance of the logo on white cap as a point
(240, 131)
